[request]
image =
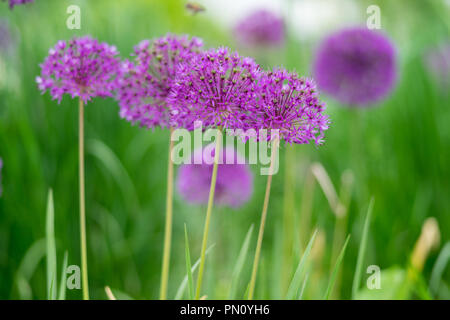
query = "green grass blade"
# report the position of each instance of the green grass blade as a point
(27, 268)
(62, 284)
(115, 294)
(362, 250)
(240, 264)
(302, 290)
(52, 290)
(184, 283)
(188, 266)
(336, 270)
(439, 268)
(50, 248)
(297, 279)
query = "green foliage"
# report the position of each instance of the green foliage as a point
(240, 262)
(393, 279)
(296, 281)
(402, 161)
(51, 248)
(336, 270)
(63, 283)
(188, 266)
(362, 250)
(185, 281)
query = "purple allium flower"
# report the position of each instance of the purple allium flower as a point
(290, 104)
(81, 67)
(437, 61)
(356, 66)
(260, 28)
(13, 3)
(146, 83)
(234, 184)
(215, 88)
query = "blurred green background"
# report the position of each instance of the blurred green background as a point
(398, 152)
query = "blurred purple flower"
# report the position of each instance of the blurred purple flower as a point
(216, 87)
(356, 66)
(234, 184)
(290, 104)
(6, 41)
(146, 83)
(437, 61)
(13, 3)
(81, 67)
(260, 28)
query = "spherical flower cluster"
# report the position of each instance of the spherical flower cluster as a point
(147, 81)
(216, 87)
(356, 66)
(289, 104)
(260, 28)
(81, 67)
(13, 3)
(234, 185)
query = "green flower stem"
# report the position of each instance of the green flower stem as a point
(168, 227)
(251, 290)
(288, 217)
(208, 213)
(84, 269)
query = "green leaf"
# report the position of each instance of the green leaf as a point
(439, 268)
(336, 270)
(183, 284)
(362, 250)
(62, 284)
(27, 268)
(302, 290)
(240, 264)
(297, 279)
(120, 295)
(51, 248)
(188, 265)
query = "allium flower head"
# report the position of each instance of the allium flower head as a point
(260, 28)
(81, 67)
(290, 104)
(215, 88)
(13, 3)
(356, 66)
(234, 184)
(146, 82)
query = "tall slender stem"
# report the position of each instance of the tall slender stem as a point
(208, 213)
(288, 217)
(84, 269)
(168, 227)
(263, 221)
